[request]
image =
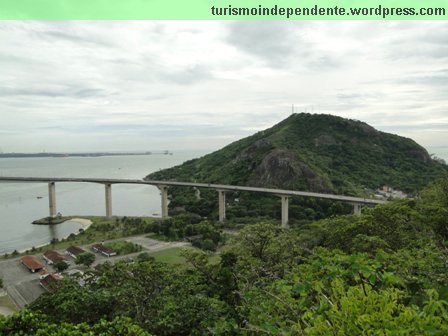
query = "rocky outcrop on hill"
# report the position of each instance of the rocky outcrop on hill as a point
(282, 169)
(316, 152)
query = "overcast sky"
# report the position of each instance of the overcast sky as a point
(86, 86)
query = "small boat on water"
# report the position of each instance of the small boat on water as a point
(39, 197)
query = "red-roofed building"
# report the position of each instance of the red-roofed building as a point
(31, 263)
(53, 257)
(74, 251)
(49, 281)
(43, 274)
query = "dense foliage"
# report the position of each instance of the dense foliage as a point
(381, 273)
(29, 323)
(304, 152)
(201, 233)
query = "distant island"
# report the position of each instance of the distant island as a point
(95, 154)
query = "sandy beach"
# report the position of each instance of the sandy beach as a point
(85, 223)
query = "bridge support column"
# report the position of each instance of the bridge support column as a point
(164, 196)
(357, 209)
(52, 198)
(222, 205)
(285, 211)
(108, 190)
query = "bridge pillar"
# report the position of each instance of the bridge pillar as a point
(357, 209)
(164, 196)
(222, 205)
(285, 211)
(108, 192)
(52, 198)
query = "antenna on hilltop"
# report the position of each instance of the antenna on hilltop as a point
(292, 109)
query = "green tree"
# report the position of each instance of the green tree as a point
(333, 293)
(85, 258)
(266, 251)
(162, 299)
(60, 266)
(433, 206)
(36, 324)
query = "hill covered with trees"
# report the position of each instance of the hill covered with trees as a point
(310, 152)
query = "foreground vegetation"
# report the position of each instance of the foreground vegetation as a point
(382, 273)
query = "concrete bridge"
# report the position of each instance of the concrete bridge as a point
(284, 195)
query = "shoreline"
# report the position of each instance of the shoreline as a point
(85, 224)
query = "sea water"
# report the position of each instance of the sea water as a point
(21, 203)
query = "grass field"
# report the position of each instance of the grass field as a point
(171, 256)
(174, 256)
(123, 247)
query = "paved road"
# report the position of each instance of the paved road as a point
(23, 286)
(5, 310)
(223, 187)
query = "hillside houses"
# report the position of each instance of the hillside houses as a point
(387, 192)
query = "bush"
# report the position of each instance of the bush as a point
(204, 244)
(60, 266)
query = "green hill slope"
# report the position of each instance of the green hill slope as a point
(317, 153)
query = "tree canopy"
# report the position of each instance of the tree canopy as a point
(381, 273)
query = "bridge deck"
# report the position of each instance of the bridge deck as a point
(223, 187)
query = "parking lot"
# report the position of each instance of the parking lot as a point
(22, 286)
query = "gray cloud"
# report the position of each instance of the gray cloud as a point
(52, 92)
(416, 43)
(272, 41)
(438, 78)
(190, 75)
(73, 38)
(203, 84)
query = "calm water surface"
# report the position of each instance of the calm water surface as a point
(21, 203)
